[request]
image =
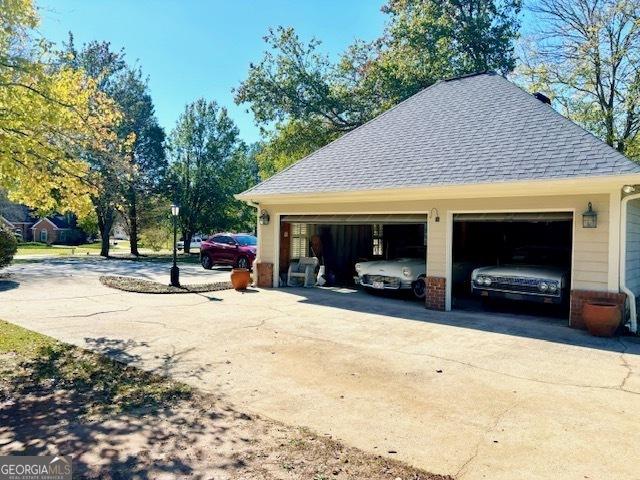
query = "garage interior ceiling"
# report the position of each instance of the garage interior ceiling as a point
(514, 217)
(356, 219)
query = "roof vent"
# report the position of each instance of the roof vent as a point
(543, 98)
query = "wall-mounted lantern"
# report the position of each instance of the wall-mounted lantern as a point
(436, 215)
(264, 217)
(589, 218)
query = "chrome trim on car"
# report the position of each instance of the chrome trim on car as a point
(530, 286)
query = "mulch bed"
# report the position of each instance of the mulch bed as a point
(138, 285)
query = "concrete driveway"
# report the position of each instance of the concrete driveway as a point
(475, 396)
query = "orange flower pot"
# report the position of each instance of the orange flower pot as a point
(602, 318)
(240, 278)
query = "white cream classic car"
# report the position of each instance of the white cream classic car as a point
(532, 274)
(398, 274)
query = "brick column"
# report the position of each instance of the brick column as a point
(579, 297)
(264, 271)
(436, 293)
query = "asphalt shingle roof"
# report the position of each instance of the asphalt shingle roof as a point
(476, 129)
(60, 221)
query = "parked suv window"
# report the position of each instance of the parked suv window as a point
(245, 240)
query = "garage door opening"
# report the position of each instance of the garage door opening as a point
(515, 262)
(341, 241)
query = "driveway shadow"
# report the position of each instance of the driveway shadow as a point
(6, 285)
(540, 328)
(49, 408)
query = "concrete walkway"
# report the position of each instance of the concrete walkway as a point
(475, 396)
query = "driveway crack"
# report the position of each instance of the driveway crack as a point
(476, 451)
(86, 315)
(626, 364)
(536, 380)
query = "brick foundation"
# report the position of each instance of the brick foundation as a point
(264, 273)
(578, 297)
(436, 293)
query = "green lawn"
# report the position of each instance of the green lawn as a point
(32, 362)
(24, 343)
(36, 248)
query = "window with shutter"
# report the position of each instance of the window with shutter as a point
(299, 240)
(378, 242)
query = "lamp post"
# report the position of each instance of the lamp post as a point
(175, 271)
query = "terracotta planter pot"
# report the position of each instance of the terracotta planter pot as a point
(240, 278)
(602, 318)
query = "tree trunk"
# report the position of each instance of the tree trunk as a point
(187, 242)
(105, 223)
(133, 225)
(104, 246)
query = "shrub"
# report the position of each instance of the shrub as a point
(8, 247)
(154, 238)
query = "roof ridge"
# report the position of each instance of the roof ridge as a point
(467, 75)
(377, 117)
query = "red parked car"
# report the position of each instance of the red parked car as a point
(235, 249)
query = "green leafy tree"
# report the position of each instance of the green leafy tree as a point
(136, 164)
(146, 158)
(48, 114)
(205, 168)
(427, 40)
(586, 57)
(108, 169)
(291, 140)
(311, 100)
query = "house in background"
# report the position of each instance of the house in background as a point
(27, 227)
(58, 229)
(18, 219)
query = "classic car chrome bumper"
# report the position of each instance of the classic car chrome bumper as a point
(383, 282)
(516, 295)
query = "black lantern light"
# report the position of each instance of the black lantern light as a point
(589, 218)
(264, 217)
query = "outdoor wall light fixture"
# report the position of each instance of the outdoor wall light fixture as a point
(264, 217)
(435, 216)
(589, 218)
(628, 189)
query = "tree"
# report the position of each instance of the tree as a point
(427, 40)
(146, 158)
(136, 165)
(107, 168)
(48, 114)
(312, 101)
(587, 59)
(204, 149)
(291, 141)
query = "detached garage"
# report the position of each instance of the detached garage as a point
(502, 247)
(482, 177)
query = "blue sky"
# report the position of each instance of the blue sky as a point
(198, 48)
